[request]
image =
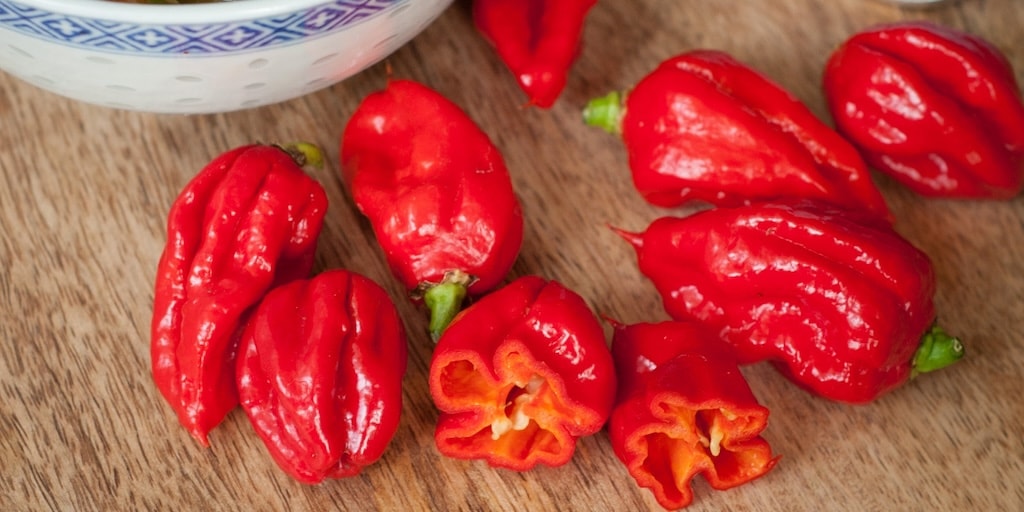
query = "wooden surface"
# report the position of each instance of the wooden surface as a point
(85, 191)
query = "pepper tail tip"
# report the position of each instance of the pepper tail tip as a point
(634, 239)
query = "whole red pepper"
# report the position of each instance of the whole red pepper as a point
(538, 40)
(840, 302)
(937, 109)
(247, 222)
(436, 192)
(684, 408)
(520, 375)
(320, 370)
(704, 126)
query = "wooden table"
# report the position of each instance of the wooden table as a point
(85, 191)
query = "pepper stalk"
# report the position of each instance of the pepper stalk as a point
(606, 112)
(303, 153)
(937, 351)
(444, 300)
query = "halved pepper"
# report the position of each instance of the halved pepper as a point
(684, 408)
(245, 223)
(319, 374)
(835, 298)
(436, 192)
(705, 127)
(938, 109)
(520, 375)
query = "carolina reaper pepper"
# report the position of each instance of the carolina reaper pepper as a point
(836, 299)
(684, 408)
(436, 192)
(538, 40)
(521, 374)
(937, 109)
(704, 126)
(245, 223)
(320, 370)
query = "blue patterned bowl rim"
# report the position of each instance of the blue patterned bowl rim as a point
(194, 29)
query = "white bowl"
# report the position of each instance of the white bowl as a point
(201, 58)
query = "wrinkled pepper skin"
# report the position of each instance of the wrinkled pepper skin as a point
(436, 191)
(937, 109)
(840, 302)
(705, 127)
(245, 223)
(684, 408)
(521, 374)
(320, 370)
(538, 40)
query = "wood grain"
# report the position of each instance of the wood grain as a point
(84, 192)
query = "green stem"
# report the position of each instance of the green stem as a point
(937, 350)
(304, 153)
(445, 301)
(605, 112)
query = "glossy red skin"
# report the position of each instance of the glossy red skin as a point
(839, 301)
(320, 371)
(703, 126)
(248, 221)
(434, 188)
(937, 109)
(675, 380)
(528, 328)
(538, 40)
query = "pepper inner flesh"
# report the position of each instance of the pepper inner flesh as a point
(710, 429)
(517, 414)
(518, 398)
(691, 441)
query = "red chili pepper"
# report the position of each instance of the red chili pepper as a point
(684, 408)
(704, 126)
(248, 221)
(538, 40)
(437, 193)
(520, 375)
(320, 372)
(837, 299)
(937, 109)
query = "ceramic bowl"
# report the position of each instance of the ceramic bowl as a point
(201, 58)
